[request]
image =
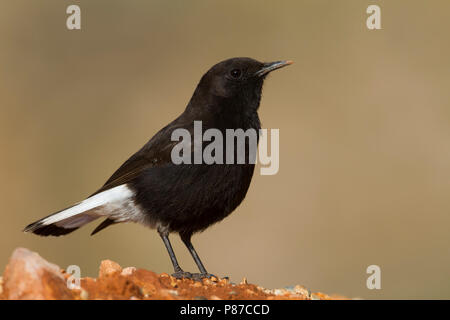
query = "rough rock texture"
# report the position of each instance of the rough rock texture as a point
(29, 276)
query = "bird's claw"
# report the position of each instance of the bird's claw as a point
(201, 276)
(193, 276)
(182, 275)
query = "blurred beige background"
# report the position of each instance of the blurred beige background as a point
(364, 119)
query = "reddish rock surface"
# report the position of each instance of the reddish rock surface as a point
(29, 276)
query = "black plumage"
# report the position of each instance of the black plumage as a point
(181, 198)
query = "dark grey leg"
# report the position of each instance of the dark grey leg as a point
(179, 273)
(187, 241)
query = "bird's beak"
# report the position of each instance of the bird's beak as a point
(270, 66)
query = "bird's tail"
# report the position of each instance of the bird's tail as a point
(70, 219)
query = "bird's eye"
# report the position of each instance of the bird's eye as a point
(236, 73)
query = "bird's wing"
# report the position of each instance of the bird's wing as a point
(155, 153)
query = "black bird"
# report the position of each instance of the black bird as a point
(183, 198)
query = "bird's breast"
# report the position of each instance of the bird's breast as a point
(189, 198)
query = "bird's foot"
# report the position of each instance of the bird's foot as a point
(182, 275)
(194, 276)
(201, 276)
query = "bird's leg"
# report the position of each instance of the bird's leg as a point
(179, 273)
(203, 273)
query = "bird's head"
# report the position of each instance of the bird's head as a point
(236, 81)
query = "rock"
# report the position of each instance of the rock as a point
(279, 292)
(108, 268)
(315, 297)
(29, 277)
(148, 281)
(302, 290)
(250, 292)
(84, 295)
(128, 271)
(173, 282)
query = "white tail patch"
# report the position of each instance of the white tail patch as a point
(106, 203)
